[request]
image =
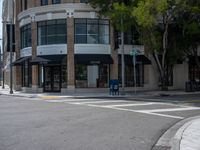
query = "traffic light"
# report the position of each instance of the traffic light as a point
(8, 26)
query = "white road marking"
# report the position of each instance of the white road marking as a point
(170, 109)
(69, 100)
(126, 105)
(130, 110)
(99, 102)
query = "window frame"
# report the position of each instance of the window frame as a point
(86, 24)
(55, 24)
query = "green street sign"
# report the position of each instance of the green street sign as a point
(134, 52)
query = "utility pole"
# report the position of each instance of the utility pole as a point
(11, 10)
(0, 66)
(122, 58)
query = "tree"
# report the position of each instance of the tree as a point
(156, 17)
(190, 23)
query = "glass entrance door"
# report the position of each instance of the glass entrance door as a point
(52, 78)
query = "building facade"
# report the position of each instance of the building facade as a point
(61, 45)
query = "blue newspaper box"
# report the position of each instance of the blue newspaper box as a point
(114, 87)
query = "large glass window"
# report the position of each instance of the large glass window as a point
(91, 31)
(44, 2)
(52, 32)
(130, 37)
(26, 74)
(26, 40)
(55, 1)
(129, 75)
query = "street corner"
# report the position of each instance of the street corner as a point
(180, 136)
(49, 97)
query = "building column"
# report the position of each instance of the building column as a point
(114, 55)
(34, 54)
(70, 54)
(17, 74)
(49, 2)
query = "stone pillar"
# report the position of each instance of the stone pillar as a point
(34, 54)
(70, 54)
(37, 3)
(114, 54)
(17, 76)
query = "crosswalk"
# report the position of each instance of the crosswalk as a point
(150, 108)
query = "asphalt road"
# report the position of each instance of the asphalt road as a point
(86, 124)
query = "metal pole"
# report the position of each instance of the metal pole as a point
(11, 46)
(0, 66)
(3, 78)
(134, 69)
(122, 59)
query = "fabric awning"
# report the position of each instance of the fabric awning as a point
(139, 59)
(19, 61)
(93, 59)
(39, 60)
(55, 58)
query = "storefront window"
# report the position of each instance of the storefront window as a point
(26, 74)
(194, 72)
(81, 75)
(44, 2)
(26, 40)
(52, 32)
(103, 76)
(129, 75)
(64, 76)
(55, 1)
(91, 31)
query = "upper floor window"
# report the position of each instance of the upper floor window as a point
(26, 40)
(44, 2)
(55, 1)
(91, 31)
(131, 37)
(52, 32)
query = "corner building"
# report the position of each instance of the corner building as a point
(63, 44)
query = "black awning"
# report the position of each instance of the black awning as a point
(20, 61)
(93, 59)
(139, 59)
(39, 60)
(55, 58)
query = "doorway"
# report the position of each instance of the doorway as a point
(52, 79)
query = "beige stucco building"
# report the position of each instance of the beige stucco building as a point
(61, 45)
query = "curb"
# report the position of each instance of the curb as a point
(171, 139)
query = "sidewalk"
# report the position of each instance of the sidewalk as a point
(188, 136)
(97, 92)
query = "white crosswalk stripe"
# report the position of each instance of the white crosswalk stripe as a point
(127, 105)
(137, 107)
(171, 109)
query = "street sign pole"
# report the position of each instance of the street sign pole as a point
(134, 69)
(134, 53)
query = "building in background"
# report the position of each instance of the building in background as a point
(61, 45)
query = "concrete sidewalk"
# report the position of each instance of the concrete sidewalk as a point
(188, 136)
(97, 92)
